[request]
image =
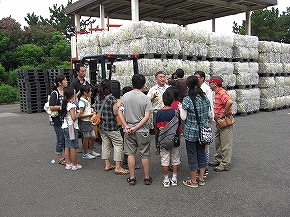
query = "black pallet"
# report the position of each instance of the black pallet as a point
(267, 75)
(221, 59)
(244, 60)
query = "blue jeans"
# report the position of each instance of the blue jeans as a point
(195, 155)
(59, 139)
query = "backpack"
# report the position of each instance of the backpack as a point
(47, 108)
(168, 136)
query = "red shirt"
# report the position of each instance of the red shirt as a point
(220, 99)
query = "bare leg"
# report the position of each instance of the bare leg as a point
(73, 153)
(193, 176)
(165, 170)
(131, 165)
(146, 167)
(201, 173)
(85, 145)
(67, 155)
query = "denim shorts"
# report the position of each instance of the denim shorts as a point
(68, 142)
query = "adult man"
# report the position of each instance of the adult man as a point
(223, 137)
(155, 94)
(80, 79)
(206, 89)
(180, 83)
(134, 112)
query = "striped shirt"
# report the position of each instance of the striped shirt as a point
(220, 99)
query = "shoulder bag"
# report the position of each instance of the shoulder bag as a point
(204, 133)
(96, 118)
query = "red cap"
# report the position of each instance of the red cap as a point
(215, 80)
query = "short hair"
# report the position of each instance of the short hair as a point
(168, 97)
(200, 73)
(78, 66)
(126, 89)
(158, 73)
(138, 81)
(179, 73)
(84, 88)
(175, 90)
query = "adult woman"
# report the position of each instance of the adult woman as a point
(195, 151)
(55, 105)
(108, 127)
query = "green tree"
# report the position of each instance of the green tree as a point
(29, 54)
(268, 25)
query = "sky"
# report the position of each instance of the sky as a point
(18, 9)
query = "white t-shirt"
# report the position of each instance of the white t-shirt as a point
(209, 93)
(67, 119)
(84, 103)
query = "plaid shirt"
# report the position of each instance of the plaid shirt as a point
(108, 119)
(190, 129)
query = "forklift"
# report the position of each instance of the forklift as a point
(102, 67)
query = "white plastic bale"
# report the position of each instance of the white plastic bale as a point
(253, 67)
(245, 41)
(266, 82)
(280, 81)
(218, 67)
(186, 34)
(264, 47)
(219, 51)
(203, 66)
(200, 36)
(266, 93)
(279, 102)
(268, 103)
(287, 100)
(287, 81)
(286, 67)
(243, 78)
(241, 68)
(232, 94)
(234, 108)
(241, 52)
(254, 79)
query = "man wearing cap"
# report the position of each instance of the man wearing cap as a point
(223, 137)
(155, 94)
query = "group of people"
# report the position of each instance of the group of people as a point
(140, 113)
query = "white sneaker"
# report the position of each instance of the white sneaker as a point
(94, 153)
(76, 167)
(166, 183)
(68, 166)
(173, 182)
(88, 156)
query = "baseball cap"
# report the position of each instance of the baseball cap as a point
(215, 79)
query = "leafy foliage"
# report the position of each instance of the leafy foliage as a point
(268, 25)
(8, 94)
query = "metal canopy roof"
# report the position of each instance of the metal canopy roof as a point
(182, 12)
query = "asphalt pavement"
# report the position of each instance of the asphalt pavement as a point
(258, 183)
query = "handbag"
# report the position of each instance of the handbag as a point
(226, 121)
(96, 118)
(204, 133)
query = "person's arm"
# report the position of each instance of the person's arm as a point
(53, 102)
(228, 106)
(142, 122)
(73, 115)
(182, 112)
(115, 109)
(122, 118)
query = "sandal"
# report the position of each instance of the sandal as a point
(122, 172)
(131, 181)
(62, 161)
(111, 168)
(191, 184)
(148, 181)
(200, 182)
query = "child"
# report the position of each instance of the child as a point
(68, 113)
(85, 125)
(172, 156)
